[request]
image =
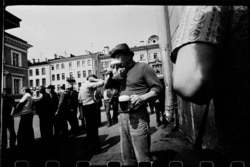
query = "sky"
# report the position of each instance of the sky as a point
(65, 30)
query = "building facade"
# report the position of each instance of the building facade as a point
(73, 70)
(15, 62)
(62, 71)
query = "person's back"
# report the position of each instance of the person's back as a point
(73, 99)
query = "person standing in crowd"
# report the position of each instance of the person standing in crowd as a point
(86, 97)
(61, 131)
(54, 104)
(98, 100)
(25, 134)
(73, 108)
(111, 99)
(115, 65)
(44, 111)
(81, 116)
(151, 104)
(140, 83)
(107, 103)
(211, 54)
(160, 109)
(8, 120)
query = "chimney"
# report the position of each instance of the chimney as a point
(38, 60)
(55, 56)
(106, 50)
(46, 59)
(33, 61)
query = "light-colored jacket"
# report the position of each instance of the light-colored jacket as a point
(28, 106)
(86, 94)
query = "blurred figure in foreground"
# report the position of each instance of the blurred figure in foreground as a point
(8, 120)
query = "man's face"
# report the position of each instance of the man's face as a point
(123, 58)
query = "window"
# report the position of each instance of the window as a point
(83, 63)
(37, 71)
(37, 82)
(102, 65)
(17, 85)
(58, 77)
(89, 62)
(53, 77)
(57, 66)
(44, 82)
(31, 72)
(71, 74)
(142, 57)
(78, 74)
(78, 64)
(89, 72)
(63, 76)
(70, 65)
(106, 64)
(31, 83)
(16, 58)
(155, 55)
(84, 74)
(62, 66)
(157, 69)
(52, 67)
(43, 71)
(79, 84)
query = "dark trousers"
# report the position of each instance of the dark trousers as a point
(25, 134)
(73, 121)
(91, 116)
(61, 126)
(114, 103)
(46, 127)
(8, 125)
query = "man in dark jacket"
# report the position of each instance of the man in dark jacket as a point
(54, 102)
(61, 130)
(73, 106)
(44, 111)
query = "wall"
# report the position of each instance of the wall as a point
(190, 115)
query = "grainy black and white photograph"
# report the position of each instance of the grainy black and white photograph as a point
(124, 85)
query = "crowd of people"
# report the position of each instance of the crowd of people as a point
(64, 113)
(55, 112)
(202, 43)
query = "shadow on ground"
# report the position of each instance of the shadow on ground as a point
(107, 143)
(67, 152)
(162, 158)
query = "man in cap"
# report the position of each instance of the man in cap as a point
(73, 106)
(54, 104)
(139, 81)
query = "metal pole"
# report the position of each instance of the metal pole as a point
(165, 50)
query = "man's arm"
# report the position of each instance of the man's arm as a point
(194, 72)
(95, 83)
(154, 84)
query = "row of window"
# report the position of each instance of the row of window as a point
(37, 71)
(37, 82)
(62, 76)
(79, 63)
